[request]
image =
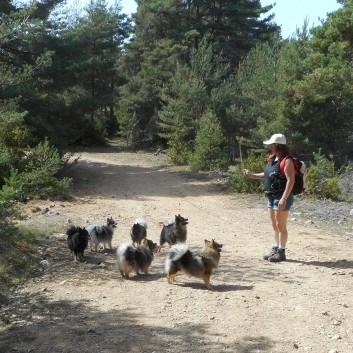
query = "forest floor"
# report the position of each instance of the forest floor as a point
(304, 304)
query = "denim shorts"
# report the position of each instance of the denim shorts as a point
(272, 202)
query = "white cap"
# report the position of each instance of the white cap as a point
(276, 138)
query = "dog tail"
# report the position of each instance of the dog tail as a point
(167, 223)
(72, 230)
(141, 221)
(175, 253)
(125, 252)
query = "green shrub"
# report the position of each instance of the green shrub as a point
(323, 181)
(6, 211)
(255, 163)
(179, 150)
(18, 257)
(38, 177)
(14, 138)
(209, 153)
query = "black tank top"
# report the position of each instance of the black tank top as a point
(275, 182)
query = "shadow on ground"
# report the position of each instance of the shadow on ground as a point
(135, 182)
(65, 326)
(338, 264)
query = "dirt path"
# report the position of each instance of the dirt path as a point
(302, 305)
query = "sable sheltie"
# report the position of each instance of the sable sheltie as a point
(77, 241)
(174, 232)
(180, 258)
(101, 234)
(135, 258)
(138, 231)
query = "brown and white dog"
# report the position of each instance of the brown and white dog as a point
(181, 259)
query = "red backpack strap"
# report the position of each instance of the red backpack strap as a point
(282, 164)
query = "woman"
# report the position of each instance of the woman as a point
(278, 189)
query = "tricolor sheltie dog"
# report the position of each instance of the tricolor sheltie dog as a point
(101, 234)
(135, 258)
(77, 241)
(138, 231)
(181, 259)
(174, 232)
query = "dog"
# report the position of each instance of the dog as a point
(101, 234)
(181, 259)
(77, 241)
(173, 232)
(138, 231)
(135, 258)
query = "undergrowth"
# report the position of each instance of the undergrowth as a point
(18, 257)
(324, 180)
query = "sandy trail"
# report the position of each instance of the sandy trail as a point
(301, 305)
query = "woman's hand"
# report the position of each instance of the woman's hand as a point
(246, 173)
(282, 204)
(251, 175)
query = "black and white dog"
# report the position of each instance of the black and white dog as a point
(101, 234)
(174, 232)
(138, 231)
(137, 258)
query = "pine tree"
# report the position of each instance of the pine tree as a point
(167, 34)
(209, 145)
(323, 96)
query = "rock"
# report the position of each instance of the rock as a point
(309, 222)
(44, 263)
(351, 212)
(44, 211)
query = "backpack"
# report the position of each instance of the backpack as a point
(300, 173)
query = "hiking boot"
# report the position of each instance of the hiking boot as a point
(272, 252)
(279, 256)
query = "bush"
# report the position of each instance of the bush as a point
(323, 181)
(14, 138)
(255, 163)
(179, 149)
(18, 257)
(37, 179)
(209, 153)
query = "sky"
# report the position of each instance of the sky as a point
(289, 14)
